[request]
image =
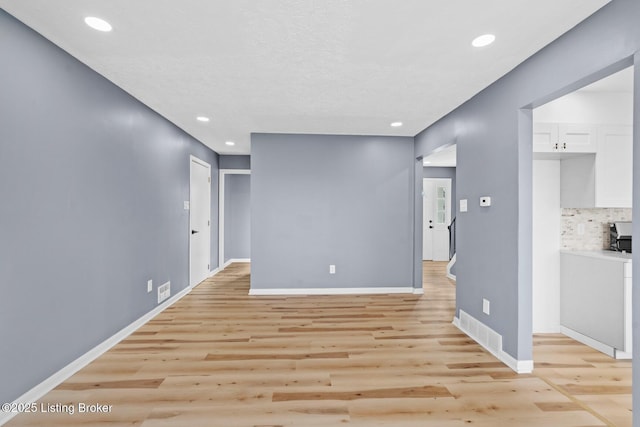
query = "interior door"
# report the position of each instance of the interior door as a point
(436, 218)
(199, 221)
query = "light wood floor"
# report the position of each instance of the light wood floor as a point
(221, 358)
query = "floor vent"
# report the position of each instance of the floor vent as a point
(164, 292)
(486, 336)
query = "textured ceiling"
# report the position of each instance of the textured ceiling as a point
(301, 66)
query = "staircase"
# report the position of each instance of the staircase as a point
(452, 249)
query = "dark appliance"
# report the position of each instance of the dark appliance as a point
(620, 236)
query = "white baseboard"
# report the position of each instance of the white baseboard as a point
(449, 265)
(65, 373)
(491, 341)
(232, 260)
(331, 291)
(606, 349)
(214, 272)
(418, 291)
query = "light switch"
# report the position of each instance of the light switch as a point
(186, 205)
(486, 306)
(463, 205)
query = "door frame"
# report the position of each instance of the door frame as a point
(193, 159)
(221, 183)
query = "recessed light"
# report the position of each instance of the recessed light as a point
(97, 23)
(396, 124)
(230, 143)
(202, 119)
(483, 40)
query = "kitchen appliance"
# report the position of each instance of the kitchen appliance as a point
(620, 236)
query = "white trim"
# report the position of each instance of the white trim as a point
(214, 272)
(418, 291)
(65, 373)
(491, 341)
(623, 355)
(201, 162)
(222, 174)
(597, 345)
(331, 291)
(449, 265)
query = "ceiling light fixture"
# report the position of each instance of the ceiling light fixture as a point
(97, 24)
(483, 40)
(396, 124)
(202, 119)
(230, 143)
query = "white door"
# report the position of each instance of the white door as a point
(199, 221)
(436, 205)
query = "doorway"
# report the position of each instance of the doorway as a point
(582, 176)
(436, 218)
(234, 216)
(199, 221)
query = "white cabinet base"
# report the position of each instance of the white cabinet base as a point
(608, 350)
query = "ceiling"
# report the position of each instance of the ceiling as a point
(301, 66)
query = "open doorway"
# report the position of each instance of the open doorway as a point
(439, 198)
(582, 184)
(234, 217)
(437, 218)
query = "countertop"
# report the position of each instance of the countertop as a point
(608, 255)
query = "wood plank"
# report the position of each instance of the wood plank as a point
(390, 393)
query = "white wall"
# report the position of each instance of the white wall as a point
(614, 108)
(546, 246)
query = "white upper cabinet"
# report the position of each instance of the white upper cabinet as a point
(564, 138)
(545, 137)
(614, 166)
(603, 179)
(576, 138)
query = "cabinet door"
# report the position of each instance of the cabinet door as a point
(576, 138)
(545, 137)
(614, 167)
(592, 298)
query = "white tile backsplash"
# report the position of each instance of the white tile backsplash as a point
(596, 227)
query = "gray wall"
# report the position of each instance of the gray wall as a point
(318, 200)
(92, 185)
(237, 216)
(494, 158)
(235, 162)
(440, 172)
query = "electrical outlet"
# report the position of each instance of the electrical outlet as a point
(486, 309)
(149, 285)
(332, 269)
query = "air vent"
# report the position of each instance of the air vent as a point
(164, 292)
